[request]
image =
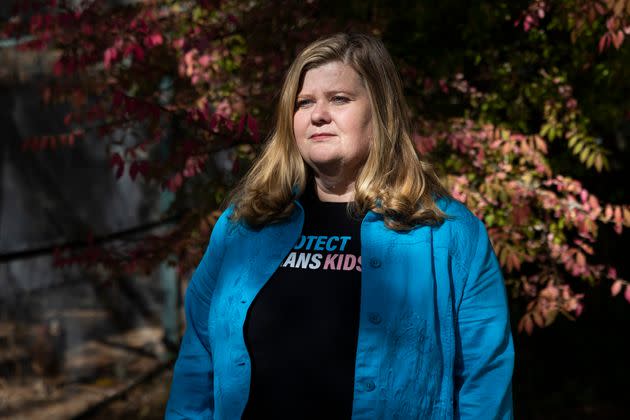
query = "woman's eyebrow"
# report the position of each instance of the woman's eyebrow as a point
(346, 91)
(328, 93)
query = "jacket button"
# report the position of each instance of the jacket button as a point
(375, 262)
(369, 386)
(374, 318)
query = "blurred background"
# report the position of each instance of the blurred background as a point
(124, 124)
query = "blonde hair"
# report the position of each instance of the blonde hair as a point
(394, 181)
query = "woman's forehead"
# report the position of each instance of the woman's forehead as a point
(330, 76)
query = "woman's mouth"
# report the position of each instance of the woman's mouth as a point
(321, 136)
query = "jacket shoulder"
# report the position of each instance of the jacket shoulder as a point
(225, 224)
(460, 230)
(459, 219)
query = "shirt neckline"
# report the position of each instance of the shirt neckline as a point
(310, 195)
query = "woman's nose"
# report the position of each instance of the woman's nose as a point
(320, 114)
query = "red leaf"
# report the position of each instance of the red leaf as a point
(599, 8)
(153, 40)
(603, 42)
(579, 308)
(618, 218)
(109, 56)
(608, 213)
(616, 288)
(241, 125)
(143, 168)
(443, 85)
(131, 105)
(178, 43)
(529, 325)
(117, 99)
(117, 161)
(627, 294)
(252, 125)
(87, 29)
(133, 170)
(138, 53)
(526, 324)
(612, 273)
(214, 121)
(617, 39)
(175, 182)
(516, 261)
(36, 22)
(58, 68)
(580, 259)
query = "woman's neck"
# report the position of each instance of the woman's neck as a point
(334, 189)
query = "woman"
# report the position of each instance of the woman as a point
(342, 281)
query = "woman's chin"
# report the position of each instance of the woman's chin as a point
(326, 163)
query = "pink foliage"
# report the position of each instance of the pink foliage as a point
(513, 181)
(153, 40)
(424, 144)
(175, 182)
(531, 17)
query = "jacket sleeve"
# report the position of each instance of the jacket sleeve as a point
(485, 352)
(192, 389)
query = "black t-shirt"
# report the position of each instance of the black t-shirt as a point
(301, 330)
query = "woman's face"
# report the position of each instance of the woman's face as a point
(332, 121)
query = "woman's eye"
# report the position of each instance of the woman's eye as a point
(302, 103)
(340, 99)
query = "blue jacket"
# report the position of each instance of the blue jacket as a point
(434, 333)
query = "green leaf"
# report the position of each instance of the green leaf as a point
(599, 162)
(545, 129)
(197, 13)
